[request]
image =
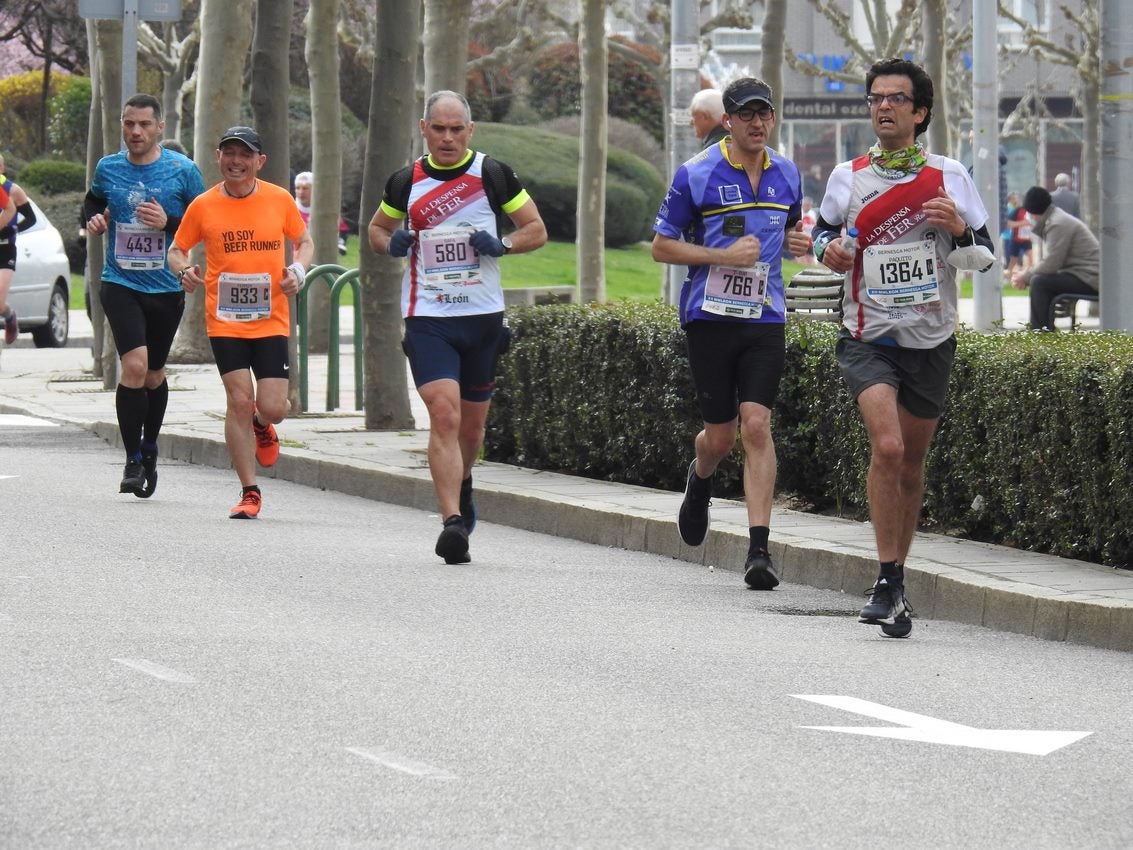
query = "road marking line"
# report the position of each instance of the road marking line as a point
(932, 730)
(155, 670)
(396, 761)
(18, 420)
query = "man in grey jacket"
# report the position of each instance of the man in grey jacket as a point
(1071, 257)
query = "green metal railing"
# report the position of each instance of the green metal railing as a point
(337, 278)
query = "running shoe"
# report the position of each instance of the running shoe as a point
(760, 572)
(149, 464)
(886, 603)
(452, 545)
(133, 478)
(12, 329)
(248, 507)
(692, 521)
(267, 443)
(467, 506)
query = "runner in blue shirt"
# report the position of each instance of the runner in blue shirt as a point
(137, 197)
(728, 215)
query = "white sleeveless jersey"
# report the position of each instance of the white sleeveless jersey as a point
(900, 288)
(444, 276)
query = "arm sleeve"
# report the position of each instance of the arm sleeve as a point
(92, 205)
(27, 216)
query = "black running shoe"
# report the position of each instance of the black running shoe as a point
(133, 478)
(760, 572)
(886, 603)
(149, 464)
(693, 519)
(467, 506)
(452, 545)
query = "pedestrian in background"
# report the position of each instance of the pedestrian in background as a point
(1064, 197)
(706, 115)
(1071, 260)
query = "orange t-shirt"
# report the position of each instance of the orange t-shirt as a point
(244, 253)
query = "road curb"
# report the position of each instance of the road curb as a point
(938, 591)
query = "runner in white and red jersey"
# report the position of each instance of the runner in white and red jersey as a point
(910, 219)
(451, 202)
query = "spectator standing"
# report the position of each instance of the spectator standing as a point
(728, 215)
(1071, 257)
(25, 218)
(244, 223)
(1021, 244)
(1064, 197)
(911, 212)
(304, 185)
(137, 197)
(706, 115)
(452, 200)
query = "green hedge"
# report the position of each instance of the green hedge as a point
(54, 176)
(547, 163)
(1035, 449)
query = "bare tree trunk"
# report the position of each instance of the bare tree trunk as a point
(591, 225)
(270, 82)
(1091, 163)
(393, 109)
(108, 37)
(226, 33)
(771, 46)
(96, 256)
(446, 45)
(326, 155)
(933, 19)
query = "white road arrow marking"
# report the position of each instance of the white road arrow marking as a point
(401, 763)
(930, 730)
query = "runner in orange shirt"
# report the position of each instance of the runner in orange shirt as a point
(244, 223)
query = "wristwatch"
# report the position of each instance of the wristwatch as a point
(506, 242)
(181, 274)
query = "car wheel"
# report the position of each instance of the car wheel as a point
(54, 333)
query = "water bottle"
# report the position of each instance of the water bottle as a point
(850, 241)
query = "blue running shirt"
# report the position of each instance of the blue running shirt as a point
(173, 180)
(712, 203)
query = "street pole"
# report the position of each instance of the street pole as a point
(987, 298)
(1116, 104)
(129, 50)
(684, 82)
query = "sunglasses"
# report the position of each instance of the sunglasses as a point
(895, 99)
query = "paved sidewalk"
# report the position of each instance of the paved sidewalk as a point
(997, 587)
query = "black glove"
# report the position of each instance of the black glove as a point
(487, 244)
(400, 243)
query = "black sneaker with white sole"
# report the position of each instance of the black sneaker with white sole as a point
(759, 572)
(693, 519)
(886, 603)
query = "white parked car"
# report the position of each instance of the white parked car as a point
(42, 284)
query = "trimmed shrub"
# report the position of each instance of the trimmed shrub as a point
(620, 133)
(634, 86)
(53, 176)
(1035, 448)
(64, 211)
(547, 163)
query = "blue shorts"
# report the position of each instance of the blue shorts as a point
(464, 349)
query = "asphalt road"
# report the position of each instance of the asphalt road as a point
(318, 678)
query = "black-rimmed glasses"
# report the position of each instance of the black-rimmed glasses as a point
(896, 99)
(747, 114)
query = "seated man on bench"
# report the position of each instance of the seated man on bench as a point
(1070, 262)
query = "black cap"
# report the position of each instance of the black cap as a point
(1037, 200)
(242, 134)
(745, 91)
